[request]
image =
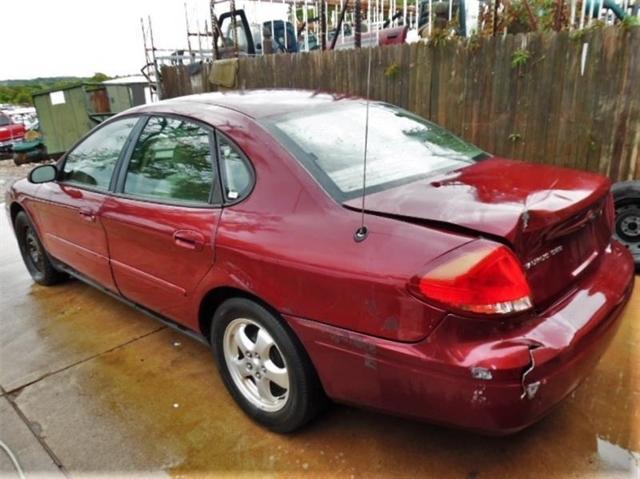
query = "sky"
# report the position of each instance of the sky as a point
(41, 38)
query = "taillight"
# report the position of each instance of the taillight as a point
(479, 277)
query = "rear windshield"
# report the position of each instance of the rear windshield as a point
(402, 147)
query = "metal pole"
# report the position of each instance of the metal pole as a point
(430, 18)
(583, 12)
(326, 19)
(261, 27)
(215, 30)
(153, 47)
(358, 24)
(186, 20)
(273, 30)
(340, 24)
(284, 27)
(305, 18)
(144, 41)
(572, 16)
(234, 25)
(199, 40)
(323, 25)
(294, 11)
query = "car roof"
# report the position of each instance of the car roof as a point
(253, 103)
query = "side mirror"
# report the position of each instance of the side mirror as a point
(43, 174)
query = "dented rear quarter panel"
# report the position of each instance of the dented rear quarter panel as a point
(434, 379)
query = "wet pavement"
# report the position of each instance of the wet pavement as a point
(92, 386)
(9, 172)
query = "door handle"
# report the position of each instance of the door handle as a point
(87, 214)
(189, 239)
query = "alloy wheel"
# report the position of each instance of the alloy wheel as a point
(256, 364)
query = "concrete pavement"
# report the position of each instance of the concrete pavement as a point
(92, 386)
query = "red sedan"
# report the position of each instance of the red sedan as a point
(473, 291)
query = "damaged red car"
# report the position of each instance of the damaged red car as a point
(446, 285)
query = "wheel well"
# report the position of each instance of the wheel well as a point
(14, 209)
(216, 297)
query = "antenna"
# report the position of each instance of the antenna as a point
(362, 232)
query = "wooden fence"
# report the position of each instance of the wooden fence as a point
(570, 100)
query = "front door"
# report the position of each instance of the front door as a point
(162, 220)
(70, 214)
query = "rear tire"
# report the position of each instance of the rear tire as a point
(33, 253)
(626, 195)
(264, 366)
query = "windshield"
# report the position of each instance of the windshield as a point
(401, 148)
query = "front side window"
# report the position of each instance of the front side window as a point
(171, 161)
(91, 163)
(401, 148)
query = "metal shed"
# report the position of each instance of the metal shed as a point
(67, 114)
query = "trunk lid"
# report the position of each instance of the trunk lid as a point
(558, 221)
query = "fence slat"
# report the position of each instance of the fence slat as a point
(545, 110)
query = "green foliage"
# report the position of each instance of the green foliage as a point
(440, 36)
(99, 77)
(19, 92)
(473, 42)
(629, 22)
(392, 70)
(578, 35)
(520, 57)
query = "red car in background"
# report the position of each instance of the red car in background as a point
(477, 293)
(10, 133)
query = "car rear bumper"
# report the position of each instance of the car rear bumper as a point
(474, 377)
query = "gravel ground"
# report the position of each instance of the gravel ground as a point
(9, 172)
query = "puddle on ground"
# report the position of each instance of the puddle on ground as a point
(616, 458)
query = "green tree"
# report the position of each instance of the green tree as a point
(99, 77)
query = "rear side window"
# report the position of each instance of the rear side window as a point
(91, 163)
(171, 161)
(237, 175)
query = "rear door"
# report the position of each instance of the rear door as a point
(161, 221)
(70, 222)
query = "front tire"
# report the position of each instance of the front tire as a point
(264, 366)
(33, 253)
